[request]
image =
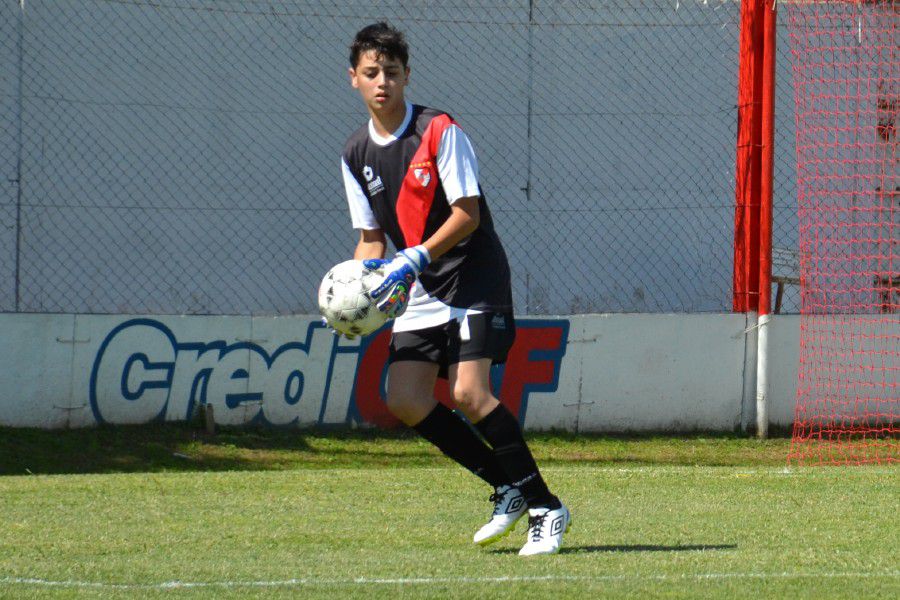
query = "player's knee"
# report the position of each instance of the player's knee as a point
(408, 408)
(469, 398)
(398, 403)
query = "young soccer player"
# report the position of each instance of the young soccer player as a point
(411, 176)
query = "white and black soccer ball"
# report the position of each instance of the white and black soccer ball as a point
(344, 298)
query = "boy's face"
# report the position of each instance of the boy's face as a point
(380, 80)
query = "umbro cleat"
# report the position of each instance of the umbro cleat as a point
(545, 530)
(509, 507)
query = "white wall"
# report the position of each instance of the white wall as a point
(585, 373)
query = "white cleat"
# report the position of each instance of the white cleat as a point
(509, 507)
(545, 530)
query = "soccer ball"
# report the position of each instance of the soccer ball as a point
(344, 298)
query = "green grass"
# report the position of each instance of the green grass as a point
(119, 512)
(185, 448)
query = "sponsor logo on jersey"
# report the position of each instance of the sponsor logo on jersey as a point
(375, 186)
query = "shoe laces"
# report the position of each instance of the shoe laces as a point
(497, 499)
(535, 525)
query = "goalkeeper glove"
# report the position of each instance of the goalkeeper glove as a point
(392, 293)
(373, 264)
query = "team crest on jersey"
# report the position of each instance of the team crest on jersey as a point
(368, 173)
(422, 172)
(423, 176)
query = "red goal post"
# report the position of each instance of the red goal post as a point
(846, 65)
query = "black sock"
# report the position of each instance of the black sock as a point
(500, 428)
(453, 436)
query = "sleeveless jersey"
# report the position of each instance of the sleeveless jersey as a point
(401, 182)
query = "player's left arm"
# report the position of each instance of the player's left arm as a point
(458, 172)
(462, 222)
(393, 293)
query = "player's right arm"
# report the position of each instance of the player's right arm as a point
(372, 244)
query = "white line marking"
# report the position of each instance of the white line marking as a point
(429, 580)
(667, 469)
(706, 471)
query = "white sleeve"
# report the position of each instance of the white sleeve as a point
(360, 212)
(457, 165)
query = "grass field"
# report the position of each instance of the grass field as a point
(153, 511)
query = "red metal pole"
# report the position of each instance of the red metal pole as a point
(767, 143)
(745, 284)
(770, 17)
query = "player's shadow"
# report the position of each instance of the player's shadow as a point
(632, 548)
(186, 447)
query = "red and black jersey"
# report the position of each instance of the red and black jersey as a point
(401, 181)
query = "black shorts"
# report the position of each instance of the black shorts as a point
(491, 336)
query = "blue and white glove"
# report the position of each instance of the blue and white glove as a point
(392, 293)
(373, 264)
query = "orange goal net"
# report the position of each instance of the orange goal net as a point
(847, 90)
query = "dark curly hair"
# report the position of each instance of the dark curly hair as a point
(383, 39)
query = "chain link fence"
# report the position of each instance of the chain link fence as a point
(785, 219)
(182, 156)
